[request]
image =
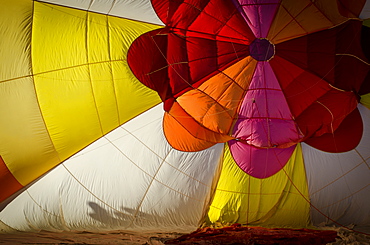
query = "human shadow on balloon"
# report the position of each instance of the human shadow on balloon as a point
(125, 217)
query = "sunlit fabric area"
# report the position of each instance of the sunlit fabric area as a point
(169, 116)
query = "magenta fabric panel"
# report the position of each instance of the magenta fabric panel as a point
(266, 95)
(260, 163)
(264, 77)
(258, 14)
(267, 132)
(264, 121)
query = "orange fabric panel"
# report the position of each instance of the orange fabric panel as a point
(215, 102)
(298, 18)
(186, 134)
(205, 115)
(207, 111)
(9, 185)
(241, 72)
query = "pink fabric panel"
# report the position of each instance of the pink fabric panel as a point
(267, 132)
(258, 14)
(265, 103)
(264, 99)
(265, 129)
(260, 163)
(264, 116)
(264, 77)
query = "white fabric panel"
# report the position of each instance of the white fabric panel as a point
(339, 183)
(129, 180)
(140, 10)
(365, 13)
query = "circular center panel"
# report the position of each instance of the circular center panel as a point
(262, 49)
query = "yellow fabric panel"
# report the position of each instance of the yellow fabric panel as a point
(69, 111)
(100, 70)
(270, 202)
(366, 22)
(62, 78)
(58, 38)
(298, 18)
(15, 23)
(78, 82)
(132, 96)
(25, 145)
(365, 100)
(104, 96)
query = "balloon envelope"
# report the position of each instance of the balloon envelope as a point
(167, 115)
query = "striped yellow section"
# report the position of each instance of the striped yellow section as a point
(272, 202)
(365, 100)
(66, 84)
(131, 95)
(25, 145)
(366, 22)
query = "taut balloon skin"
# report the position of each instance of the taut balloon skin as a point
(167, 115)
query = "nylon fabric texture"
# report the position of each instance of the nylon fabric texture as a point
(171, 115)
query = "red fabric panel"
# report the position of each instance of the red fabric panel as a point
(365, 42)
(300, 87)
(365, 87)
(151, 71)
(202, 57)
(8, 184)
(222, 18)
(350, 72)
(331, 55)
(188, 52)
(207, 57)
(230, 53)
(346, 137)
(318, 108)
(178, 64)
(304, 67)
(350, 8)
(177, 59)
(235, 31)
(179, 13)
(326, 113)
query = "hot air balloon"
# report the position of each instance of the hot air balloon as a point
(171, 115)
